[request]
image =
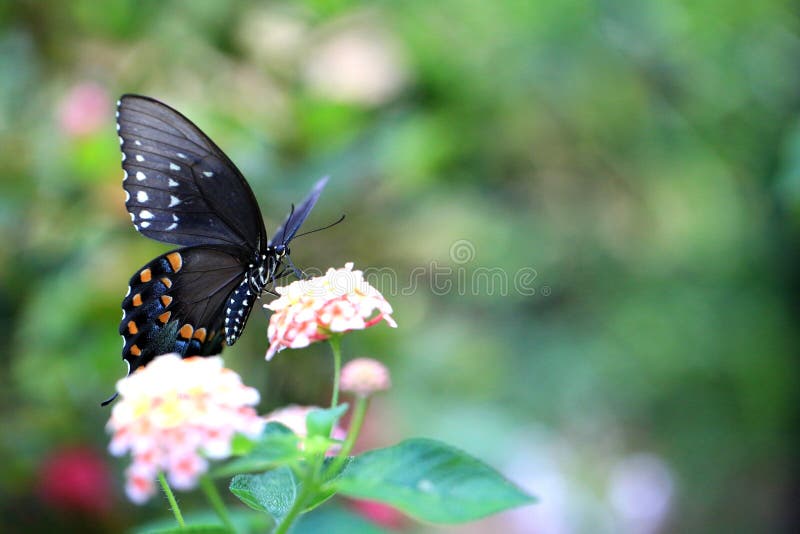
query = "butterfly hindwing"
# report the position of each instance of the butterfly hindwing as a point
(177, 302)
(181, 188)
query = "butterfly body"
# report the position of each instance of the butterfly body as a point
(182, 189)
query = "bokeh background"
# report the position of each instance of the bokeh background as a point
(584, 213)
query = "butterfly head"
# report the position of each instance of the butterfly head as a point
(280, 251)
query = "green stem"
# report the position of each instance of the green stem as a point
(337, 367)
(359, 411)
(309, 486)
(216, 501)
(171, 498)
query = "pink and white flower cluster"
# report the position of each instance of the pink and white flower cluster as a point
(311, 310)
(174, 414)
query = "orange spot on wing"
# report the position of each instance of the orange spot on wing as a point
(132, 329)
(175, 260)
(164, 317)
(146, 275)
(167, 282)
(166, 300)
(186, 331)
(137, 299)
(135, 350)
(200, 334)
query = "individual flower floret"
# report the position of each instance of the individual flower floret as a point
(173, 414)
(311, 310)
(365, 376)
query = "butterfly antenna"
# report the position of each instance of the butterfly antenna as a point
(340, 219)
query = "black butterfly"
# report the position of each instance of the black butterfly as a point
(182, 189)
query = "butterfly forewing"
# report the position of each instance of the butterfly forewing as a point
(181, 188)
(297, 217)
(177, 302)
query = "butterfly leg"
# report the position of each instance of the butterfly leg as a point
(282, 273)
(297, 272)
(109, 400)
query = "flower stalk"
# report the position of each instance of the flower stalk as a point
(173, 504)
(215, 499)
(310, 486)
(359, 411)
(335, 342)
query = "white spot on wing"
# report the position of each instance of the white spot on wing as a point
(174, 167)
(123, 156)
(171, 227)
(137, 143)
(173, 201)
(145, 224)
(141, 196)
(174, 217)
(208, 174)
(173, 183)
(133, 216)
(127, 196)
(121, 140)
(139, 157)
(140, 175)
(124, 175)
(181, 155)
(144, 214)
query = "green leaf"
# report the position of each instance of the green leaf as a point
(320, 422)
(431, 481)
(277, 446)
(244, 520)
(335, 520)
(241, 445)
(327, 491)
(275, 491)
(192, 529)
(272, 492)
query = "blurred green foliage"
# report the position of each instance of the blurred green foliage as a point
(642, 159)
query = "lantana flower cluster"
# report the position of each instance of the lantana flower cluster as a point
(314, 309)
(175, 414)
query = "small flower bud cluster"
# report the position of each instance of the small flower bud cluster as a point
(365, 376)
